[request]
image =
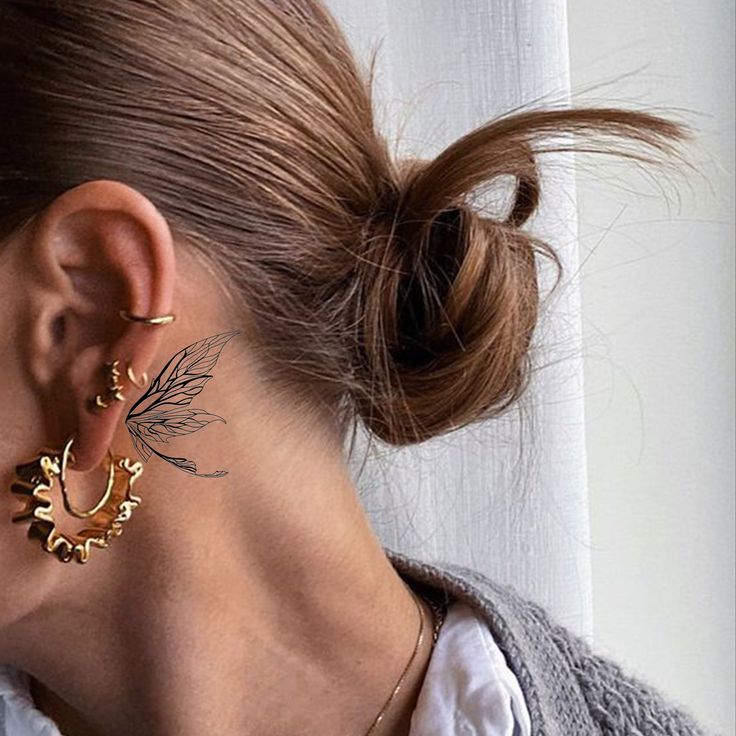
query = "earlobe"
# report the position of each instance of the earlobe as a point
(103, 251)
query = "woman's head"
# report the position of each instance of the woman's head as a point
(365, 286)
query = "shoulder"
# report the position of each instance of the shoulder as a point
(568, 687)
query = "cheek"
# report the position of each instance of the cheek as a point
(18, 585)
(23, 426)
(23, 576)
(23, 431)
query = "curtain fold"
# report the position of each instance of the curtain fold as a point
(508, 497)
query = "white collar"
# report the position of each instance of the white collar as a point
(468, 687)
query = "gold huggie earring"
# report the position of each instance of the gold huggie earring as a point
(140, 383)
(163, 319)
(33, 483)
(112, 393)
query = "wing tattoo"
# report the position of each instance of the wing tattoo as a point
(162, 412)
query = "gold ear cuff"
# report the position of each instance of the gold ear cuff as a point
(163, 319)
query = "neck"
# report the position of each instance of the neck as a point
(260, 602)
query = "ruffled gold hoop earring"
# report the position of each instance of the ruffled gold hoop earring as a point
(34, 482)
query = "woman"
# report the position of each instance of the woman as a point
(193, 195)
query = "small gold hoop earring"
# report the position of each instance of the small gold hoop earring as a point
(104, 499)
(114, 387)
(33, 484)
(163, 319)
(141, 382)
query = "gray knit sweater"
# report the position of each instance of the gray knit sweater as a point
(569, 689)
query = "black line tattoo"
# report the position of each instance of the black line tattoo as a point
(162, 411)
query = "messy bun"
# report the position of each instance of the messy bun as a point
(365, 287)
(448, 299)
(448, 314)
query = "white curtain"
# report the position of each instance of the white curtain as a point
(508, 497)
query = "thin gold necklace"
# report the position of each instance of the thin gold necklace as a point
(438, 618)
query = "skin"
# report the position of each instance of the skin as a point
(260, 602)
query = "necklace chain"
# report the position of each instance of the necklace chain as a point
(438, 615)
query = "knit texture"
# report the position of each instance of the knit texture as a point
(569, 689)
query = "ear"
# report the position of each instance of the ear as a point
(98, 248)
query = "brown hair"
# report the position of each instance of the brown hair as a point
(368, 286)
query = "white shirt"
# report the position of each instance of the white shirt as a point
(468, 689)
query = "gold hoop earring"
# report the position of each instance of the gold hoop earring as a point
(104, 499)
(114, 387)
(163, 319)
(34, 482)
